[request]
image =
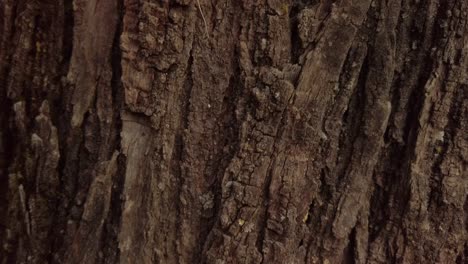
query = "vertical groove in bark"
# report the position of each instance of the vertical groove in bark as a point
(7, 138)
(110, 252)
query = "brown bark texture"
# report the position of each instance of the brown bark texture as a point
(233, 131)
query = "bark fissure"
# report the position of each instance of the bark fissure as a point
(277, 131)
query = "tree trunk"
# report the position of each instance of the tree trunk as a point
(229, 131)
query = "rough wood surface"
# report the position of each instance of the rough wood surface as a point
(234, 131)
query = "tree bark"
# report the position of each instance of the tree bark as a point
(233, 131)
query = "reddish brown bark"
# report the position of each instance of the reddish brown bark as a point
(273, 131)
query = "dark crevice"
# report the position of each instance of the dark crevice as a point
(301, 243)
(177, 159)
(398, 151)
(61, 117)
(415, 103)
(462, 258)
(417, 96)
(10, 41)
(326, 187)
(28, 93)
(264, 216)
(296, 43)
(395, 102)
(390, 177)
(7, 149)
(178, 171)
(349, 253)
(310, 211)
(72, 153)
(439, 32)
(10, 140)
(352, 122)
(68, 26)
(7, 140)
(380, 212)
(60, 114)
(110, 242)
(186, 96)
(297, 47)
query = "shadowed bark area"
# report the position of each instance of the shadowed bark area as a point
(227, 131)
